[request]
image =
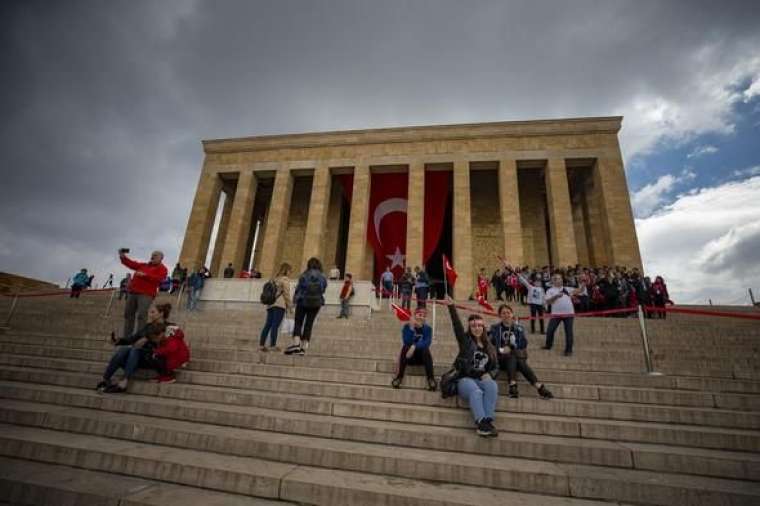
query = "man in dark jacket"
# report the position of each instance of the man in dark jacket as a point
(508, 337)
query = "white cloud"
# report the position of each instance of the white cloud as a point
(652, 196)
(748, 172)
(706, 243)
(702, 150)
(753, 90)
(673, 117)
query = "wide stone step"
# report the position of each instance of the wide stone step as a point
(300, 484)
(591, 361)
(387, 364)
(670, 397)
(610, 430)
(40, 484)
(737, 465)
(227, 466)
(564, 407)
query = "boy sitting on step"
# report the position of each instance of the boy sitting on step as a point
(416, 337)
(171, 354)
(508, 337)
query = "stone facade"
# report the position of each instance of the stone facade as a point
(537, 192)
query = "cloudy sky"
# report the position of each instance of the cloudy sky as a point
(104, 104)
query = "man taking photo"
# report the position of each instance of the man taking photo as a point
(142, 288)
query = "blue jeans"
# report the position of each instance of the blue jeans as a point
(552, 327)
(192, 298)
(422, 295)
(344, 307)
(272, 325)
(125, 357)
(481, 395)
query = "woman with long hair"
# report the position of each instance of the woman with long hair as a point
(477, 366)
(309, 299)
(137, 350)
(277, 309)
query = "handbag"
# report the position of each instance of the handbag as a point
(448, 383)
(288, 324)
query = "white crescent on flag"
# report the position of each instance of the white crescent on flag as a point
(384, 208)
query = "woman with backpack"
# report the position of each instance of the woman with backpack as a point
(477, 366)
(308, 299)
(276, 295)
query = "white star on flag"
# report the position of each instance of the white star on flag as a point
(396, 259)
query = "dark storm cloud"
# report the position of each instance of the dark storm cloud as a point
(104, 103)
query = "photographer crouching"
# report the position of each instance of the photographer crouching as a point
(142, 288)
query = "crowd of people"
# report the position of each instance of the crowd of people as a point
(150, 341)
(600, 289)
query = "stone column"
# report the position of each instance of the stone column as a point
(509, 205)
(623, 245)
(415, 214)
(277, 220)
(316, 223)
(239, 227)
(462, 224)
(357, 228)
(221, 233)
(563, 247)
(201, 221)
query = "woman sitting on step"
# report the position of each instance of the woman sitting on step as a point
(477, 366)
(137, 351)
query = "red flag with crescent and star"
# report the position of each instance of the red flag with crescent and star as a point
(386, 229)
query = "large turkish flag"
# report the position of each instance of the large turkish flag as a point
(386, 229)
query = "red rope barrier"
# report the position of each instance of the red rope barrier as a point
(547, 316)
(61, 292)
(702, 312)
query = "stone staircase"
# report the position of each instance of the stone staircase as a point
(243, 427)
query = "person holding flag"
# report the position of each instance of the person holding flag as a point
(476, 366)
(416, 337)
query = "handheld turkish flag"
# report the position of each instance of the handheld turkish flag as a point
(483, 302)
(401, 313)
(451, 274)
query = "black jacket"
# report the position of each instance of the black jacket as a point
(147, 349)
(470, 356)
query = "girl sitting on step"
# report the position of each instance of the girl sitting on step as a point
(137, 351)
(477, 366)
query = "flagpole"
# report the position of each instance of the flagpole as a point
(445, 277)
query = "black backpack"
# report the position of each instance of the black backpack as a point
(269, 293)
(312, 294)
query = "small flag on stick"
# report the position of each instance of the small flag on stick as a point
(450, 273)
(401, 313)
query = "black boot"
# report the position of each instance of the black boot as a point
(545, 393)
(513, 392)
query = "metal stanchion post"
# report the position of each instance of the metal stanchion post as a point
(645, 343)
(7, 323)
(107, 312)
(179, 296)
(435, 303)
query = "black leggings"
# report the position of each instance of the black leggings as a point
(304, 320)
(512, 365)
(419, 357)
(536, 310)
